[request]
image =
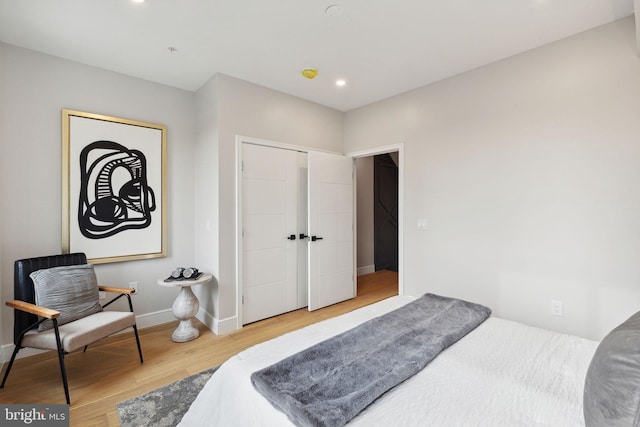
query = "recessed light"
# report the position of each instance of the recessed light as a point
(138, 1)
(341, 82)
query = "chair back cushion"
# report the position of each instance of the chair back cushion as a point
(23, 288)
(72, 290)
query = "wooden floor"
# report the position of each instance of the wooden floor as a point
(110, 371)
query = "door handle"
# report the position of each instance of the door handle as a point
(314, 238)
(291, 237)
(303, 236)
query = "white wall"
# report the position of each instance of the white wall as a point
(364, 200)
(33, 90)
(528, 171)
(246, 109)
(206, 241)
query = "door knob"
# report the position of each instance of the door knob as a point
(314, 238)
(291, 237)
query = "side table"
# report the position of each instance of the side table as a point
(185, 306)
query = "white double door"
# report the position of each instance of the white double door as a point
(297, 230)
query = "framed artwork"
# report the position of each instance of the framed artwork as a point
(113, 187)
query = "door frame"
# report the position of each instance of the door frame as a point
(238, 203)
(399, 147)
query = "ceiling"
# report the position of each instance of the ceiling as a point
(380, 47)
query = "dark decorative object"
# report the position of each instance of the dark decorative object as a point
(114, 206)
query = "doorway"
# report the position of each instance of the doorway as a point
(379, 242)
(385, 212)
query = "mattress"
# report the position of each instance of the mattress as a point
(501, 374)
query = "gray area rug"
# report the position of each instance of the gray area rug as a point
(165, 406)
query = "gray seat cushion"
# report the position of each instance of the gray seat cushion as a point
(81, 332)
(612, 385)
(72, 290)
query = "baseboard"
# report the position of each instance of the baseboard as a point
(217, 326)
(206, 318)
(224, 326)
(142, 321)
(156, 318)
(7, 349)
(367, 269)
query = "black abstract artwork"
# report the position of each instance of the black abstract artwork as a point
(114, 193)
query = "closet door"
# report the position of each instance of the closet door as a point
(331, 261)
(270, 197)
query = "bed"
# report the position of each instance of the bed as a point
(502, 373)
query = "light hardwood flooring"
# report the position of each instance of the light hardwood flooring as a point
(110, 371)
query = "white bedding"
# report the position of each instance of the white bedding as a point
(501, 374)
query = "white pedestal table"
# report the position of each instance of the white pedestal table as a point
(185, 306)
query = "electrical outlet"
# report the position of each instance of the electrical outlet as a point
(134, 285)
(556, 308)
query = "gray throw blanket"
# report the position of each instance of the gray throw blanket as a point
(331, 382)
